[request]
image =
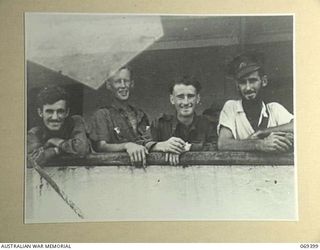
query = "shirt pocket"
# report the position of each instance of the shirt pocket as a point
(122, 134)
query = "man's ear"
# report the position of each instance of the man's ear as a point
(132, 84)
(264, 81)
(237, 85)
(39, 112)
(68, 112)
(108, 84)
(198, 98)
(171, 99)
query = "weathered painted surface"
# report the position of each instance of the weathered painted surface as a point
(81, 47)
(164, 193)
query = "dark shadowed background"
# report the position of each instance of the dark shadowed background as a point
(192, 45)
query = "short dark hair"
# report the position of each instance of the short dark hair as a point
(186, 80)
(51, 94)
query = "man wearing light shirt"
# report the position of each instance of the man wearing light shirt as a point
(250, 124)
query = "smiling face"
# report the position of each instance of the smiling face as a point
(54, 115)
(250, 86)
(120, 84)
(185, 99)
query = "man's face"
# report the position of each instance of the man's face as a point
(54, 115)
(184, 98)
(120, 85)
(250, 86)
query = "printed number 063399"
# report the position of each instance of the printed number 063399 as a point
(309, 245)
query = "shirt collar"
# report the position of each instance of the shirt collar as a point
(121, 110)
(175, 122)
(116, 105)
(264, 113)
(264, 110)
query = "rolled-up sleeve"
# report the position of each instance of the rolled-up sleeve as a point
(99, 127)
(78, 143)
(36, 149)
(227, 118)
(280, 113)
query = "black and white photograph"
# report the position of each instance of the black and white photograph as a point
(145, 117)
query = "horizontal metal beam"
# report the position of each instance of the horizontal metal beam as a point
(189, 158)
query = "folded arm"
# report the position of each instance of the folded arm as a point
(287, 128)
(274, 142)
(78, 143)
(37, 151)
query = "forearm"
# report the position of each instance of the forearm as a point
(229, 144)
(111, 147)
(31, 147)
(42, 155)
(75, 146)
(77, 143)
(288, 127)
(154, 146)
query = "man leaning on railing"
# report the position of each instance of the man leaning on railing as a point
(250, 124)
(185, 130)
(120, 127)
(58, 133)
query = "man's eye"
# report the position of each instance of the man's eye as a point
(252, 80)
(191, 96)
(122, 80)
(49, 111)
(61, 111)
(180, 96)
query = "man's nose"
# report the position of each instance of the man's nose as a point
(185, 100)
(54, 115)
(248, 85)
(122, 83)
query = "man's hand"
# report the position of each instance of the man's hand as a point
(137, 153)
(36, 154)
(173, 159)
(41, 155)
(173, 145)
(54, 142)
(276, 141)
(260, 134)
(290, 136)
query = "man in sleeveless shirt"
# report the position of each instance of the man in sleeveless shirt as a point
(121, 126)
(250, 124)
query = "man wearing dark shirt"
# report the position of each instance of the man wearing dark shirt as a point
(184, 131)
(120, 126)
(58, 133)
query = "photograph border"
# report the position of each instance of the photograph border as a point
(306, 230)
